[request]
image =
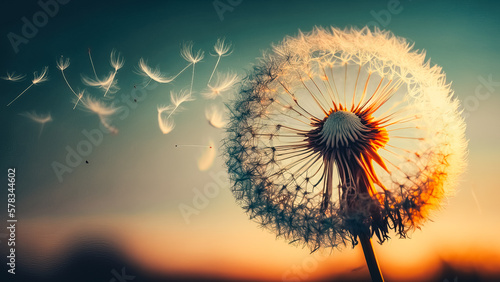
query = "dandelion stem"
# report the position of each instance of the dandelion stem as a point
(149, 81)
(198, 146)
(192, 80)
(182, 71)
(216, 64)
(67, 83)
(79, 98)
(41, 129)
(111, 82)
(371, 260)
(20, 94)
(172, 111)
(92, 63)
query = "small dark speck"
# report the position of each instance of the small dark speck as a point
(86, 162)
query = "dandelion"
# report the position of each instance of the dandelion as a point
(215, 116)
(222, 50)
(38, 118)
(153, 74)
(177, 99)
(13, 77)
(117, 63)
(108, 84)
(63, 65)
(223, 83)
(102, 110)
(165, 123)
(188, 55)
(337, 136)
(37, 78)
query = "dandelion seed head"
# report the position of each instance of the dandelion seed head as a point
(116, 60)
(165, 123)
(41, 119)
(62, 64)
(13, 77)
(164, 108)
(42, 77)
(188, 55)
(177, 98)
(38, 118)
(215, 116)
(101, 108)
(108, 83)
(221, 48)
(337, 133)
(224, 82)
(154, 74)
(341, 128)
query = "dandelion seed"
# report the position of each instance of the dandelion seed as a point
(116, 60)
(177, 99)
(221, 50)
(38, 118)
(108, 84)
(62, 65)
(42, 77)
(165, 123)
(342, 135)
(92, 63)
(188, 55)
(206, 160)
(13, 77)
(37, 78)
(102, 110)
(153, 74)
(215, 116)
(117, 63)
(78, 98)
(196, 146)
(223, 83)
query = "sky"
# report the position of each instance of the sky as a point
(142, 204)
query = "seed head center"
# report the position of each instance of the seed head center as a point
(341, 129)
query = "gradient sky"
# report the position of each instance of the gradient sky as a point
(129, 193)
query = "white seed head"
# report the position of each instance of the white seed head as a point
(188, 55)
(62, 64)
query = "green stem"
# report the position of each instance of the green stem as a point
(371, 260)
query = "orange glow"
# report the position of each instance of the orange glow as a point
(238, 250)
